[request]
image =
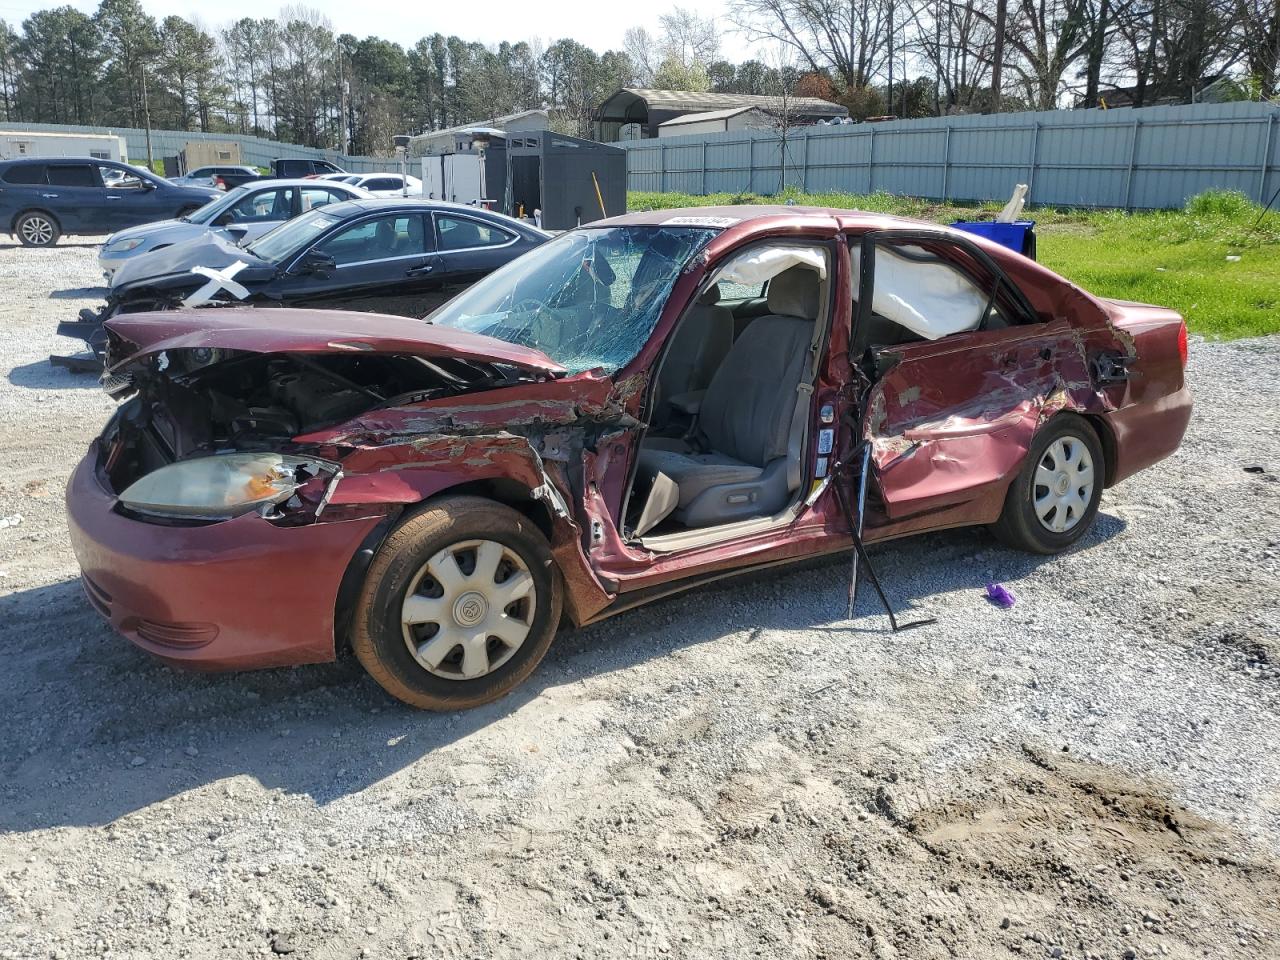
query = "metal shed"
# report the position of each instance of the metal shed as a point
(718, 121)
(569, 179)
(644, 110)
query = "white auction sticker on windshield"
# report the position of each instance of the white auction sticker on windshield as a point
(702, 221)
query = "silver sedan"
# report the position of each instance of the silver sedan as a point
(245, 213)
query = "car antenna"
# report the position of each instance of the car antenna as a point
(859, 548)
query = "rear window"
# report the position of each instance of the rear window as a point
(463, 233)
(25, 173)
(74, 175)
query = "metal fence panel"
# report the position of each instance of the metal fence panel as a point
(1156, 157)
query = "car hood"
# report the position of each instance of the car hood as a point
(166, 231)
(208, 249)
(283, 330)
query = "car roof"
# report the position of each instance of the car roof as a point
(349, 208)
(292, 182)
(20, 160)
(760, 216)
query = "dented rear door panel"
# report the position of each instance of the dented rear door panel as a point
(951, 422)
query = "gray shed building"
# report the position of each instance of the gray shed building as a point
(635, 113)
(451, 139)
(718, 121)
(560, 176)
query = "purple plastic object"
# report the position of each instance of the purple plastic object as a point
(1000, 596)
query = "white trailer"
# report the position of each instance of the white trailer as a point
(15, 144)
(452, 176)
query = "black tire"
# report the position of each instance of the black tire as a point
(382, 643)
(35, 228)
(1020, 525)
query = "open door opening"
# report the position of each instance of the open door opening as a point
(731, 401)
(526, 186)
(957, 361)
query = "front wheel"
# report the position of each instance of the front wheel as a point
(1054, 498)
(459, 605)
(37, 229)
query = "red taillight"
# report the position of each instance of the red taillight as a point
(1182, 343)
(219, 183)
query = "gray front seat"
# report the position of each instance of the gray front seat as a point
(697, 349)
(745, 460)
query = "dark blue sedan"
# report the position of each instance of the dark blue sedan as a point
(41, 199)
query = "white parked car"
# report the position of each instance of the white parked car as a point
(387, 184)
(242, 214)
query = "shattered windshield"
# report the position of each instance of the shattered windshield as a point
(587, 299)
(290, 236)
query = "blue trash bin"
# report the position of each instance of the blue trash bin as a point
(1019, 236)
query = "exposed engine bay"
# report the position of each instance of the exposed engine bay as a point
(185, 403)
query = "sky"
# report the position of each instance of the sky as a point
(598, 25)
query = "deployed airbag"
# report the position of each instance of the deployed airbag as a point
(928, 296)
(755, 266)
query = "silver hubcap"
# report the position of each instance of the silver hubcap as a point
(37, 230)
(468, 609)
(1064, 484)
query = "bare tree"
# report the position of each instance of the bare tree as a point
(1000, 25)
(1173, 48)
(1258, 28)
(688, 37)
(1047, 38)
(783, 77)
(957, 47)
(845, 37)
(643, 50)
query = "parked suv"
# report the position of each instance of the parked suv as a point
(41, 199)
(290, 167)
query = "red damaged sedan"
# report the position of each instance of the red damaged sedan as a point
(635, 408)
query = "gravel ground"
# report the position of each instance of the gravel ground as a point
(737, 772)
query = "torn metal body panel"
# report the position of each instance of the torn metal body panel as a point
(537, 390)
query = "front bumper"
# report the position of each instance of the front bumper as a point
(111, 262)
(235, 595)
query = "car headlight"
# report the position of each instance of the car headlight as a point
(222, 486)
(124, 246)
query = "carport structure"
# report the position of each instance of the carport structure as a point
(647, 109)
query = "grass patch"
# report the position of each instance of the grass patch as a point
(1177, 258)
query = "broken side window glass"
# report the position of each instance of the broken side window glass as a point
(588, 299)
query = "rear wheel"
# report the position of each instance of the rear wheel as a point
(1053, 500)
(37, 229)
(459, 606)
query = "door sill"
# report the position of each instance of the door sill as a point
(707, 536)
